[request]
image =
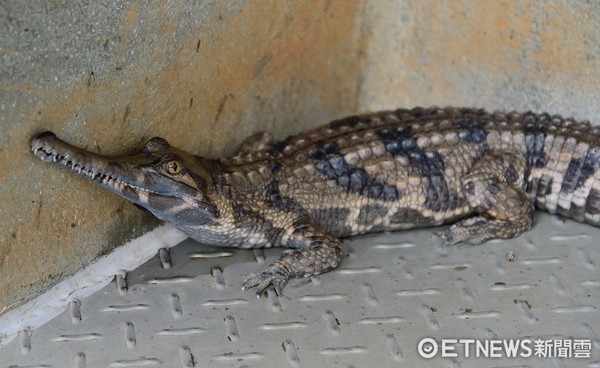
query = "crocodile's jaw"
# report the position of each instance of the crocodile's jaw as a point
(139, 178)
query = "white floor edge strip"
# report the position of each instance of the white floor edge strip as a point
(87, 281)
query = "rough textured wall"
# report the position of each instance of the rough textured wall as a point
(109, 76)
(507, 55)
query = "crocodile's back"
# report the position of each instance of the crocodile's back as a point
(404, 168)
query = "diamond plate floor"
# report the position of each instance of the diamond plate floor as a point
(184, 308)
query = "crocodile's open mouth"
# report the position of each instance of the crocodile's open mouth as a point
(50, 148)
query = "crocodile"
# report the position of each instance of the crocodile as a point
(482, 173)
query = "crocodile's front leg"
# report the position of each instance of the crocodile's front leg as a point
(316, 251)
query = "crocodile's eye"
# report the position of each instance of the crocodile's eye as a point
(174, 167)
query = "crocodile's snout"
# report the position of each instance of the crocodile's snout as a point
(41, 145)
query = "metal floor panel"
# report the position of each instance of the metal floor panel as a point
(184, 308)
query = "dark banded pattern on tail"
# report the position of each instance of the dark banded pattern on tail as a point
(564, 163)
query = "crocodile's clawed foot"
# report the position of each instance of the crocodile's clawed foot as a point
(472, 231)
(275, 275)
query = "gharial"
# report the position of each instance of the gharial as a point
(483, 172)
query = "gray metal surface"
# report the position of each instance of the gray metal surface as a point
(184, 308)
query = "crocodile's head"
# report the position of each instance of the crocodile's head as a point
(172, 184)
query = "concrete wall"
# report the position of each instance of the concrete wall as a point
(206, 75)
(509, 55)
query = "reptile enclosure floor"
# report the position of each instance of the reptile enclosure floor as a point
(185, 308)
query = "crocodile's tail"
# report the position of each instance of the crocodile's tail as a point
(564, 166)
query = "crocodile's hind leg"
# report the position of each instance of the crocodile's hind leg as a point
(316, 252)
(494, 190)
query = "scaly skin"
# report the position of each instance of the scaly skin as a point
(402, 169)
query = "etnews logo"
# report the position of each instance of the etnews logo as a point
(512, 348)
